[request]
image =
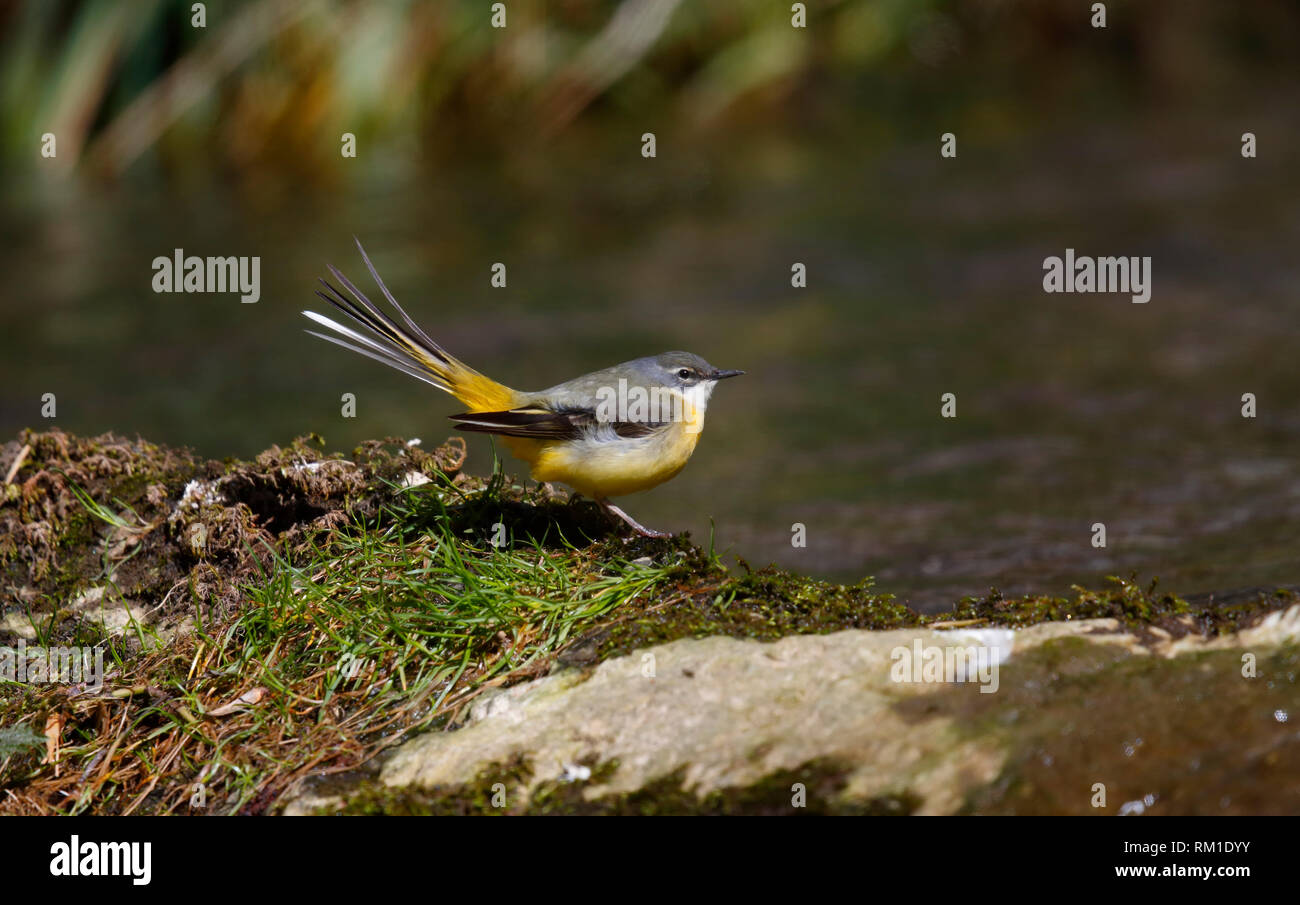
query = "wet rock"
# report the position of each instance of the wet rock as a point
(1084, 716)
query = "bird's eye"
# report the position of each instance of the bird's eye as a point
(684, 373)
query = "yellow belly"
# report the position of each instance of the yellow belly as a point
(610, 468)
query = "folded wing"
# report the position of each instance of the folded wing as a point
(551, 424)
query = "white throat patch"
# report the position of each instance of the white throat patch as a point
(698, 395)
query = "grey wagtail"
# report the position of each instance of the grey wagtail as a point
(625, 429)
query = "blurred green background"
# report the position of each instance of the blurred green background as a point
(775, 145)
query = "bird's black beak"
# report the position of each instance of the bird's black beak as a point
(723, 375)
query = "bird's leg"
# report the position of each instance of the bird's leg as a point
(636, 526)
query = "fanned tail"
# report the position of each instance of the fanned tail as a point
(407, 349)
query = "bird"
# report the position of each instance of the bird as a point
(616, 431)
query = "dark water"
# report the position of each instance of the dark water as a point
(924, 278)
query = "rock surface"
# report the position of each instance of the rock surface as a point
(1074, 717)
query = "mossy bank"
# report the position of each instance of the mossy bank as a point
(296, 616)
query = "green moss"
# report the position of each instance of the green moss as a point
(495, 783)
(1136, 607)
(1126, 601)
(500, 790)
(1223, 614)
(762, 605)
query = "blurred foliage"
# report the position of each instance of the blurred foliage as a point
(273, 84)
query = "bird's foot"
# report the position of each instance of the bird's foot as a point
(636, 526)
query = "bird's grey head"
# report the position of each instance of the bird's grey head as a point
(683, 370)
(688, 378)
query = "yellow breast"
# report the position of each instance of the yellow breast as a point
(600, 468)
